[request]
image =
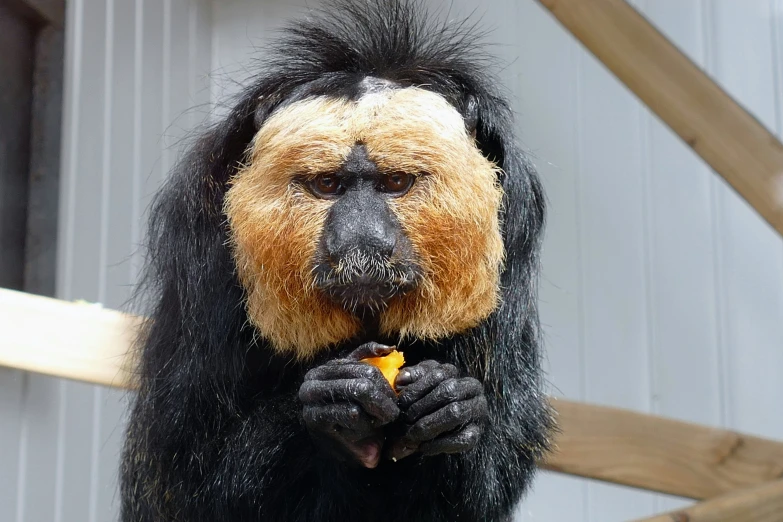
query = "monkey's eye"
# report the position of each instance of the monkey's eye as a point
(397, 183)
(326, 185)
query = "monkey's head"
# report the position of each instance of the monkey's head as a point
(377, 208)
(365, 186)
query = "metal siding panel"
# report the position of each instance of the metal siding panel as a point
(200, 43)
(151, 104)
(85, 263)
(77, 437)
(613, 264)
(685, 362)
(136, 233)
(115, 107)
(547, 114)
(241, 28)
(165, 115)
(82, 262)
(72, 62)
(10, 429)
(180, 101)
(68, 175)
(776, 20)
(113, 413)
(117, 246)
(682, 252)
(41, 421)
(752, 252)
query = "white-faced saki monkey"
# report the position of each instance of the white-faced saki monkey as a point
(364, 196)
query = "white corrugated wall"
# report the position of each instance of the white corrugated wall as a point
(662, 290)
(133, 69)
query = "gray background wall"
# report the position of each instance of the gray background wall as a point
(662, 290)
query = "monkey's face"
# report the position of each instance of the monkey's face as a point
(381, 207)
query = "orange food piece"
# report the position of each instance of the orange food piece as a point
(388, 364)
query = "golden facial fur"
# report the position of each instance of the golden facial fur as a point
(450, 215)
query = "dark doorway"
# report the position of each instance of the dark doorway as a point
(31, 82)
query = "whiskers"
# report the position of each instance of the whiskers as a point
(364, 282)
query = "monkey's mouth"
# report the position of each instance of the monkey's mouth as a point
(365, 284)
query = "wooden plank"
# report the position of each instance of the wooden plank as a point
(762, 503)
(725, 135)
(72, 340)
(91, 344)
(659, 454)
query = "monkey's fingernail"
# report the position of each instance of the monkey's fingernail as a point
(403, 378)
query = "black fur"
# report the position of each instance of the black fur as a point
(216, 431)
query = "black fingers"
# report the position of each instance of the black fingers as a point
(350, 402)
(447, 418)
(448, 391)
(441, 412)
(346, 419)
(344, 370)
(351, 370)
(373, 399)
(345, 431)
(371, 349)
(463, 440)
(346, 404)
(412, 374)
(417, 381)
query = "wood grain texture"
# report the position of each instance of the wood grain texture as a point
(660, 454)
(91, 344)
(762, 503)
(734, 143)
(72, 340)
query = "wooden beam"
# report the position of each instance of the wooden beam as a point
(762, 503)
(726, 136)
(73, 340)
(659, 454)
(92, 344)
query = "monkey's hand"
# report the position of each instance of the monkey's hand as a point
(440, 412)
(347, 403)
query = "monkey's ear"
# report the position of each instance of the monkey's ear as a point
(470, 114)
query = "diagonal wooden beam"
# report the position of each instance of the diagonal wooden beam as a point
(659, 454)
(762, 503)
(726, 136)
(92, 344)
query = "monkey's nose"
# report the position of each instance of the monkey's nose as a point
(362, 233)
